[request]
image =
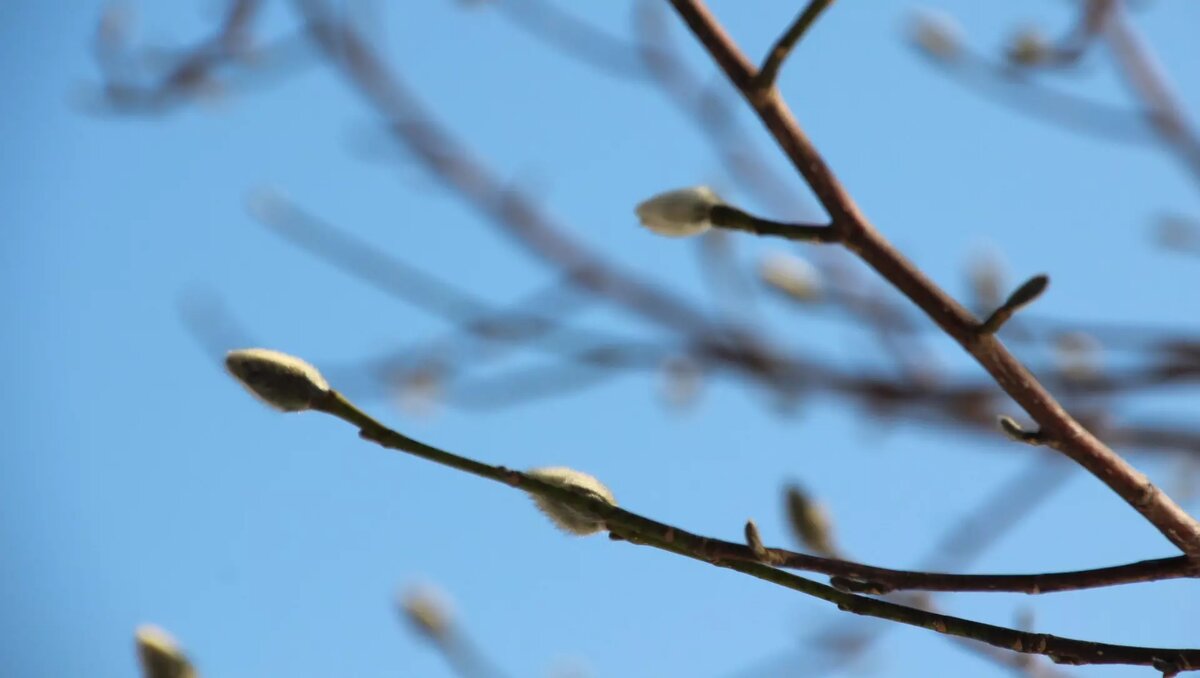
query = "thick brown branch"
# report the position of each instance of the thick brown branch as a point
(860, 236)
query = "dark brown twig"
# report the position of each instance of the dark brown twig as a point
(638, 529)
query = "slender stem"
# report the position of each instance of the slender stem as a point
(1063, 432)
(628, 526)
(853, 576)
(734, 219)
(765, 79)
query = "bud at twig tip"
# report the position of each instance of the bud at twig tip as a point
(679, 213)
(568, 518)
(159, 654)
(810, 522)
(937, 34)
(790, 275)
(1028, 47)
(1029, 291)
(427, 610)
(284, 382)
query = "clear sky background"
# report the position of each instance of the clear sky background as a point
(139, 484)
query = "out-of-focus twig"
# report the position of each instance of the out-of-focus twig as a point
(429, 617)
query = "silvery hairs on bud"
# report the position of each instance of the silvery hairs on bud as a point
(568, 518)
(284, 382)
(679, 213)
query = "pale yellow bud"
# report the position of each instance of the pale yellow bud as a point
(810, 522)
(284, 382)
(1028, 47)
(937, 35)
(679, 213)
(159, 654)
(569, 518)
(790, 275)
(427, 610)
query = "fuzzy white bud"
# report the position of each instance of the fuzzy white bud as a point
(284, 382)
(1078, 355)
(569, 518)
(679, 213)
(938, 35)
(810, 522)
(427, 610)
(790, 275)
(1028, 47)
(159, 654)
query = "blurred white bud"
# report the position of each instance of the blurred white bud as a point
(284, 382)
(679, 213)
(568, 518)
(1077, 355)
(427, 610)
(420, 390)
(988, 280)
(810, 522)
(1028, 47)
(790, 275)
(937, 34)
(682, 380)
(159, 654)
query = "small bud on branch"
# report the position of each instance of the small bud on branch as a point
(679, 213)
(284, 382)
(427, 611)
(568, 518)
(1014, 430)
(1029, 47)
(810, 522)
(937, 35)
(1025, 294)
(755, 542)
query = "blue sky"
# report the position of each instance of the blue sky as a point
(139, 484)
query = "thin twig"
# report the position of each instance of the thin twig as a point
(734, 219)
(1163, 109)
(631, 527)
(783, 47)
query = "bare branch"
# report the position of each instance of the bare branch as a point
(631, 527)
(861, 237)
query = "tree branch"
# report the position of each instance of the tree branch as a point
(1063, 431)
(628, 526)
